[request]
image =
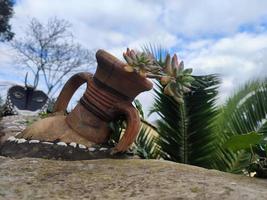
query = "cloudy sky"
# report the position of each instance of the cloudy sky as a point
(212, 36)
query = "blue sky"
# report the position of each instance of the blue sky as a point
(211, 36)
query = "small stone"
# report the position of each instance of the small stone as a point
(103, 149)
(22, 140)
(73, 144)
(91, 149)
(34, 141)
(62, 144)
(81, 146)
(47, 143)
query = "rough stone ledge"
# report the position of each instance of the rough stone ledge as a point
(31, 178)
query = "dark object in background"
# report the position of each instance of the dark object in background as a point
(25, 100)
(21, 99)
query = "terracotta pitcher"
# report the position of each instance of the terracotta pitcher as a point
(109, 94)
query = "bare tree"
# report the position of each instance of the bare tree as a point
(50, 52)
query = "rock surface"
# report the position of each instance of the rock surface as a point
(30, 178)
(14, 124)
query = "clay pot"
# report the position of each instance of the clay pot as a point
(109, 94)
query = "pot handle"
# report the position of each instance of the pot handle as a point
(69, 89)
(133, 126)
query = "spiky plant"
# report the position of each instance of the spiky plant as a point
(182, 104)
(145, 144)
(195, 131)
(177, 80)
(172, 75)
(186, 131)
(141, 62)
(243, 113)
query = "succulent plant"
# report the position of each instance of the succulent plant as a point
(172, 75)
(140, 62)
(176, 80)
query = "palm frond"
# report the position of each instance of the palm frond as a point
(247, 109)
(158, 52)
(244, 112)
(186, 131)
(145, 144)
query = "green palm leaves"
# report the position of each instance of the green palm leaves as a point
(186, 131)
(244, 113)
(196, 132)
(246, 110)
(186, 108)
(192, 128)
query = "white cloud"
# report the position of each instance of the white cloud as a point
(98, 24)
(107, 23)
(237, 59)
